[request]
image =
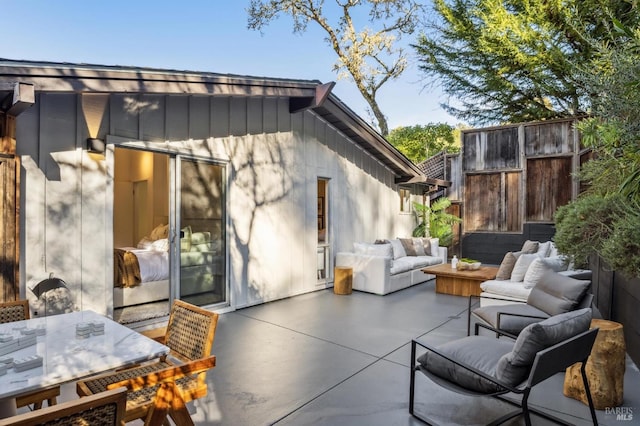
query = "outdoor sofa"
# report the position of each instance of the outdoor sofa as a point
(391, 265)
(520, 271)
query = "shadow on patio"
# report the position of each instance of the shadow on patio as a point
(325, 359)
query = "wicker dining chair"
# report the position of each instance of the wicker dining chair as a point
(17, 311)
(189, 335)
(103, 409)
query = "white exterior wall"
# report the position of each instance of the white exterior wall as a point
(273, 159)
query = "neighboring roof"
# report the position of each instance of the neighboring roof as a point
(433, 167)
(70, 77)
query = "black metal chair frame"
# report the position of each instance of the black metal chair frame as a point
(584, 303)
(547, 362)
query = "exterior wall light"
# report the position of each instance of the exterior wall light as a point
(95, 145)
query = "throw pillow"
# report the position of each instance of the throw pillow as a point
(529, 247)
(418, 247)
(398, 250)
(160, 245)
(407, 245)
(145, 243)
(508, 262)
(557, 263)
(534, 273)
(521, 266)
(556, 294)
(160, 231)
(435, 246)
(514, 367)
(426, 244)
(543, 249)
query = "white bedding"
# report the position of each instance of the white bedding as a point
(154, 264)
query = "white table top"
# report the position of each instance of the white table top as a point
(66, 357)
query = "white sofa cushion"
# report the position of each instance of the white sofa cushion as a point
(534, 273)
(398, 249)
(521, 266)
(384, 250)
(409, 263)
(506, 288)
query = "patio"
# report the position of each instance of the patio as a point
(325, 359)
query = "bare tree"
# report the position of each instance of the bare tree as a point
(369, 57)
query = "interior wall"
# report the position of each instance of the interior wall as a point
(131, 167)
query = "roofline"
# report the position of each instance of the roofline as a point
(82, 78)
(66, 77)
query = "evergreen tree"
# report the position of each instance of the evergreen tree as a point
(514, 60)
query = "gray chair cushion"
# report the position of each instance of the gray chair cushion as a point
(556, 294)
(510, 324)
(479, 352)
(514, 367)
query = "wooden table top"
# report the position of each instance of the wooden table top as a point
(444, 269)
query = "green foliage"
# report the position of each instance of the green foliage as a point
(440, 222)
(606, 219)
(606, 225)
(583, 226)
(369, 56)
(622, 248)
(513, 61)
(419, 142)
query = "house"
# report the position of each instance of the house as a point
(247, 185)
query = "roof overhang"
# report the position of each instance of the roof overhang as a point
(16, 97)
(302, 94)
(430, 185)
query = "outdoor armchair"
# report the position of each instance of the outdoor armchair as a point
(554, 294)
(189, 335)
(103, 409)
(484, 366)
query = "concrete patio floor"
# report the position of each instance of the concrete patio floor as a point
(326, 359)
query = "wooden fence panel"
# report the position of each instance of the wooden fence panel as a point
(549, 186)
(482, 202)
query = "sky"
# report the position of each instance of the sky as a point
(200, 35)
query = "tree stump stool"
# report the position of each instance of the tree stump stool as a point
(342, 280)
(605, 368)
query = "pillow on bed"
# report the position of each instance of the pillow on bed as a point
(160, 231)
(145, 243)
(160, 245)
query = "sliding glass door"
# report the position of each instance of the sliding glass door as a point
(201, 217)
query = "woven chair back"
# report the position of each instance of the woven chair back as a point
(190, 331)
(14, 311)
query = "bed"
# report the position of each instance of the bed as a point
(141, 274)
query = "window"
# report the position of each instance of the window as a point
(405, 200)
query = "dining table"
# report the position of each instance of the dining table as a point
(52, 350)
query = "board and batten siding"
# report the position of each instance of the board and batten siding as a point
(273, 160)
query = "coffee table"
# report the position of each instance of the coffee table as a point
(460, 282)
